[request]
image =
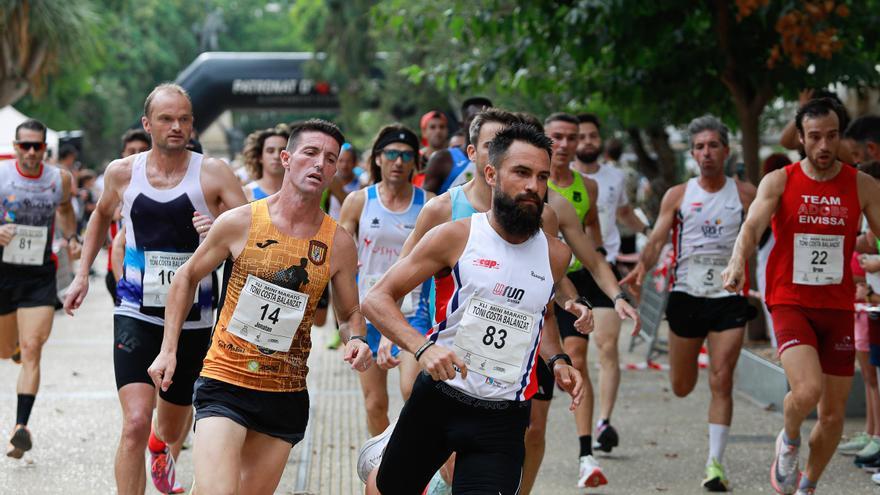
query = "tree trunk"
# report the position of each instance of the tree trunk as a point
(665, 156)
(749, 124)
(647, 164)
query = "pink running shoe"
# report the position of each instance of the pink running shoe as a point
(162, 472)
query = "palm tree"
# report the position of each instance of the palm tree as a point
(34, 36)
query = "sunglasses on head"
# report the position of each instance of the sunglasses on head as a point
(26, 145)
(392, 155)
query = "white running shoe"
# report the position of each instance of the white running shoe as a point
(876, 478)
(784, 473)
(370, 455)
(590, 475)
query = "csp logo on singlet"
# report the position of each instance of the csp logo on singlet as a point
(486, 263)
(513, 294)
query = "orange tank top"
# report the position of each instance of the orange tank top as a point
(262, 337)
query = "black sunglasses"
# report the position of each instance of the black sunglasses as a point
(27, 145)
(392, 155)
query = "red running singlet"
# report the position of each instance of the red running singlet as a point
(815, 226)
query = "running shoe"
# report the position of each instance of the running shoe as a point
(805, 491)
(590, 474)
(334, 341)
(871, 458)
(876, 478)
(370, 455)
(606, 437)
(20, 442)
(870, 450)
(438, 486)
(872, 466)
(784, 473)
(855, 444)
(162, 471)
(178, 488)
(716, 480)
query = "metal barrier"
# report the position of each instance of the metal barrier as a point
(652, 310)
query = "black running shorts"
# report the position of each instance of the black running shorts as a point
(437, 420)
(136, 344)
(694, 317)
(31, 292)
(588, 288)
(282, 415)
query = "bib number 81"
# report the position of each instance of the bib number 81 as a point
(494, 337)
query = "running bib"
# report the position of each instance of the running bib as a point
(493, 340)
(818, 259)
(159, 269)
(27, 247)
(406, 304)
(704, 274)
(267, 315)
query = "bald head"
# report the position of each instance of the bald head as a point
(163, 89)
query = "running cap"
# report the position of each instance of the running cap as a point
(398, 135)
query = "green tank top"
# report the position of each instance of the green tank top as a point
(576, 194)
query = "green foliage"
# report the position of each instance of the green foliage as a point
(140, 43)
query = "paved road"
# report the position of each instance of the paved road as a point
(76, 424)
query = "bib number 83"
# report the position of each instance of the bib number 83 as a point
(491, 334)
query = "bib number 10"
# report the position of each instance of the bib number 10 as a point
(495, 337)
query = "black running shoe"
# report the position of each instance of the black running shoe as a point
(21, 443)
(606, 438)
(866, 461)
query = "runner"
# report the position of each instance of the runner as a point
(704, 216)
(32, 192)
(611, 205)
(815, 207)
(475, 196)
(451, 167)
(482, 413)
(251, 400)
(169, 196)
(262, 158)
(435, 133)
(381, 217)
(581, 192)
(345, 181)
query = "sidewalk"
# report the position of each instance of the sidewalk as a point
(77, 420)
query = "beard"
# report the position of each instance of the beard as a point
(515, 216)
(588, 156)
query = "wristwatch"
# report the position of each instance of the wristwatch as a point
(621, 295)
(359, 337)
(563, 356)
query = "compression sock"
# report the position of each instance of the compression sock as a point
(25, 405)
(586, 445)
(717, 442)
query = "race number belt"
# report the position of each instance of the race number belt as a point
(493, 339)
(267, 315)
(704, 274)
(818, 259)
(159, 269)
(27, 247)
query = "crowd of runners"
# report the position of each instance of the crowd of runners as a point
(481, 271)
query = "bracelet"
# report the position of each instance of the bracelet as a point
(74, 236)
(563, 356)
(423, 348)
(621, 295)
(602, 250)
(583, 300)
(359, 337)
(646, 229)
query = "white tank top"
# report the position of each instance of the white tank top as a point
(159, 237)
(705, 231)
(612, 196)
(381, 234)
(494, 318)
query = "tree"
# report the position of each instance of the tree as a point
(34, 36)
(653, 63)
